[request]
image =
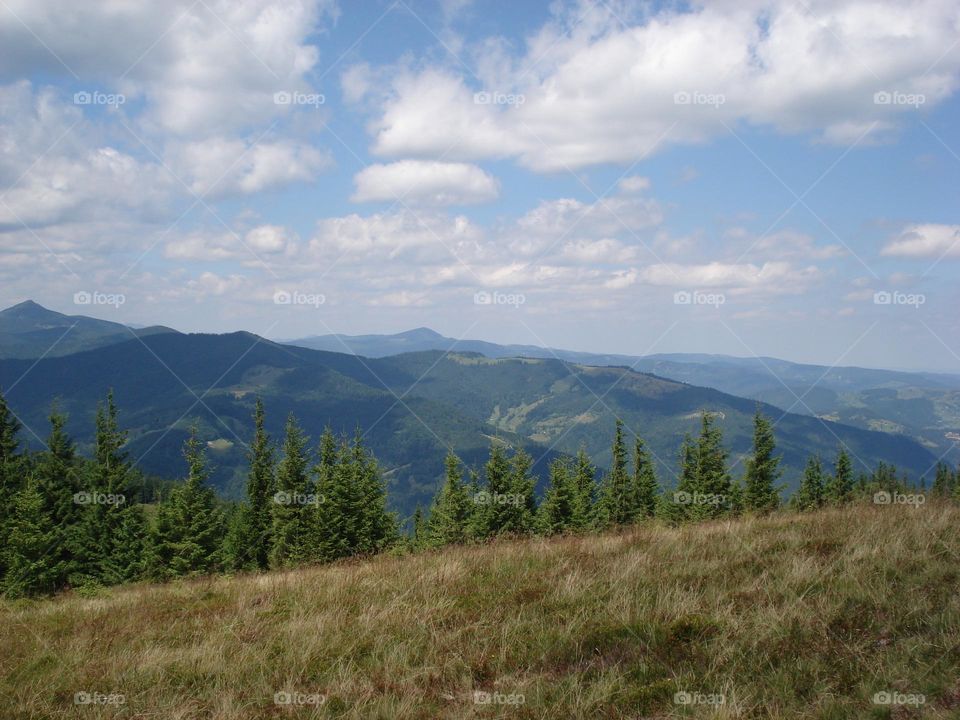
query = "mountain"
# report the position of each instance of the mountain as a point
(924, 406)
(29, 330)
(412, 407)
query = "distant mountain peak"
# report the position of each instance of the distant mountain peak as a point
(421, 333)
(27, 307)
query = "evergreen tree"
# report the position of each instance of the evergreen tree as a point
(186, 538)
(676, 506)
(760, 493)
(522, 506)
(646, 490)
(493, 515)
(32, 568)
(810, 494)
(252, 526)
(559, 505)
(328, 523)
(712, 477)
(293, 529)
(11, 475)
(943, 481)
(450, 514)
(377, 526)
(617, 504)
(839, 487)
(585, 490)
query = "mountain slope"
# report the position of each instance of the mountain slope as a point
(29, 330)
(412, 407)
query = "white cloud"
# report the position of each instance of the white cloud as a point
(771, 277)
(928, 240)
(420, 182)
(595, 91)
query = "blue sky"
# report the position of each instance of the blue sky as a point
(765, 178)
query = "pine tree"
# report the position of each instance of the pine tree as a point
(32, 567)
(11, 475)
(617, 504)
(522, 507)
(493, 515)
(676, 506)
(377, 526)
(840, 485)
(556, 514)
(712, 478)
(943, 481)
(329, 499)
(251, 528)
(293, 529)
(450, 514)
(645, 487)
(760, 493)
(810, 494)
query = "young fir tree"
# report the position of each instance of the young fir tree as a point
(676, 506)
(713, 479)
(450, 514)
(522, 507)
(617, 504)
(585, 490)
(377, 526)
(252, 523)
(645, 487)
(419, 538)
(493, 512)
(32, 566)
(760, 492)
(11, 475)
(113, 527)
(943, 481)
(477, 522)
(559, 506)
(329, 501)
(56, 474)
(293, 513)
(186, 537)
(810, 494)
(839, 487)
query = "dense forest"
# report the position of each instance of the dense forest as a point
(72, 522)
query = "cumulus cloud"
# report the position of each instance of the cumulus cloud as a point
(589, 90)
(420, 182)
(928, 240)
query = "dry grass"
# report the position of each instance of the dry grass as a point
(790, 616)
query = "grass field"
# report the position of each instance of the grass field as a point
(812, 616)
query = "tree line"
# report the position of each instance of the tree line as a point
(68, 521)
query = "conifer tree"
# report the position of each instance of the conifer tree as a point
(522, 507)
(839, 487)
(11, 475)
(646, 490)
(712, 477)
(676, 506)
(377, 526)
(32, 568)
(328, 522)
(419, 528)
(810, 494)
(559, 506)
(760, 493)
(943, 481)
(450, 514)
(493, 514)
(585, 489)
(252, 526)
(617, 504)
(293, 530)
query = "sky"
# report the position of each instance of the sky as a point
(772, 178)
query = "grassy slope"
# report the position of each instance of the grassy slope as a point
(788, 617)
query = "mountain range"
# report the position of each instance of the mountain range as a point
(412, 406)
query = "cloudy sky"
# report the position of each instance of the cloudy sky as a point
(771, 178)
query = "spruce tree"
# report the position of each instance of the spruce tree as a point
(522, 505)
(645, 487)
(329, 499)
(810, 494)
(760, 493)
(493, 514)
(11, 475)
(377, 526)
(254, 521)
(33, 567)
(617, 504)
(676, 506)
(293, 530)
(585, 490)
(712, 479)
(450, 514)
(943, 481)
(556, 514)
(840, 485)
